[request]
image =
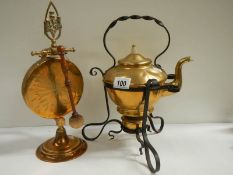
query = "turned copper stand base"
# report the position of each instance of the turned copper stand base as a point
(61, 147)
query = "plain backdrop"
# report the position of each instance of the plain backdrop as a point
(202, 29)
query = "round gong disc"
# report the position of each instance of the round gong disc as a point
(44, 89)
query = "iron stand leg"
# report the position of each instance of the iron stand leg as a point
(93, 72)
(145, 143)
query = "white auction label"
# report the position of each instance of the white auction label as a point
(121, 82)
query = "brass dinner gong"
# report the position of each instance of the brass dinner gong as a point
(44, 90)
(51, 88)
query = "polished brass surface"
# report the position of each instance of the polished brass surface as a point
(44, 90)
(50, 52)
(132, 123)
(139, 69)
(178, 76)
(52, 30)
(52, 23)
(134, 59)
(136, 67)
(61, 147)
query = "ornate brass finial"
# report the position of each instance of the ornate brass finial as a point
(52, 23)
(52, 30)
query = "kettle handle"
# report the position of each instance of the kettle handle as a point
(124, 18)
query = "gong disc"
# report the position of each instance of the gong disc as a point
(44, 89)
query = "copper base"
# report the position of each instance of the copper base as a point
(61, 148)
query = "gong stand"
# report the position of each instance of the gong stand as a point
(62, 147)
(151, 85)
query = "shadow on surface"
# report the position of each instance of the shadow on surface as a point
(104, 143)
(228, 130)
(124, 146)
(17, 141)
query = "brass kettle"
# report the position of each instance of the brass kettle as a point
(135, 84)
(134, 71)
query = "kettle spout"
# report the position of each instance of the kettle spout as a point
(176, 84)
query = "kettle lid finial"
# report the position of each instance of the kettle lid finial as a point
(133, 49)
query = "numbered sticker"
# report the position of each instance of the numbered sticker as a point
(121, 83)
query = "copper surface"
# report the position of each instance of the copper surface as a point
(44, 89)
(61, 148)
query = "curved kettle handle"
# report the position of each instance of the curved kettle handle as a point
(124, 18)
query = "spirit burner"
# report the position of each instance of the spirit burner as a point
(51, 88)
(135, 85)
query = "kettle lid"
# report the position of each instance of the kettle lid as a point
(134, 59)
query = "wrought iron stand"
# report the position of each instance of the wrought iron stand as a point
(141, 133)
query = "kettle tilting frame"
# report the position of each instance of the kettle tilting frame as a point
(151, 85)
